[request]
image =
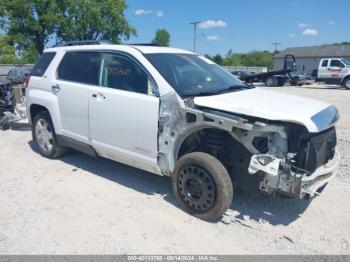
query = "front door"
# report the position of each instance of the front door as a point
(123, 113)
(323, 72)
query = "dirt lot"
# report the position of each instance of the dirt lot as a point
(82, 205)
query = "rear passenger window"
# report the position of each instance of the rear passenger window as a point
(324, 63)
(121, 73)
(42, 64)
(81, 67)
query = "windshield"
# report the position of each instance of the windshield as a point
(345, 61)
(192, 75)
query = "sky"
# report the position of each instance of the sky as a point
(242, 26)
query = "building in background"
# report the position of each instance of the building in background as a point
(308, 57)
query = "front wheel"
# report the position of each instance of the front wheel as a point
(346, 82)
(202, 186)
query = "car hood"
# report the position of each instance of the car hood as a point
(273, 105)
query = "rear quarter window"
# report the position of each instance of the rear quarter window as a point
(42, 64)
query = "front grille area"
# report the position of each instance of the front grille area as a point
(317, 150)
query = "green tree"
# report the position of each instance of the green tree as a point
(91, 19)
(218, 59)
(7, 51)
(162, 38)
(254, 58)
(34, 23)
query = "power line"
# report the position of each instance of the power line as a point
(195, 33)
(276, 44)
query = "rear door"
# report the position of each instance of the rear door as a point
(123, 113)
(77, 75)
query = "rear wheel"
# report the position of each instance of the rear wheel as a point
(271, 81)
(45, 137)
(202, 186)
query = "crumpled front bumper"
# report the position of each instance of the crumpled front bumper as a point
(279, 179)
(313, 183)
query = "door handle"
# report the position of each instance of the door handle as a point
(55, 88)
(99, 95)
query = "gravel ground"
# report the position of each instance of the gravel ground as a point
(82, 205)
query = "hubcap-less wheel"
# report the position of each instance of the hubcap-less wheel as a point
(197, 188)
(44, 135)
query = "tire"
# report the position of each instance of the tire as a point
(45, 137)
(208, 202)
(294, 81)
(271, 81)
(346, 83)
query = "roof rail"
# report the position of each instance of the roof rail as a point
(143, 44)
(85, 42)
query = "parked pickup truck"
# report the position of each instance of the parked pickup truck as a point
(334, 71)
(175, 113)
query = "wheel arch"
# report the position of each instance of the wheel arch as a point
(35, 109)
(344, 78)
(200, 139)
(40, 100)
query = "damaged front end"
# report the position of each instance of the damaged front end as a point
(302, 173)
(284, 157)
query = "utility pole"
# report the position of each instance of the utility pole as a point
(195, 34)
(276, 44)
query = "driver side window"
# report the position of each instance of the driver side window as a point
(120, 72)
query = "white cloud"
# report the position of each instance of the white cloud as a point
(291, 35)
(331, 23)
(303, 25)
(143, 12)
(212, 24)
(310, 32)
(212, 37)
(160, 13)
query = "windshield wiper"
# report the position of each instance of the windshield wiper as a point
(217, 92)
(234, 88)
(201, 93)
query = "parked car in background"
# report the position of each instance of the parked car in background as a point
(241, 75)
(297, 78)
(18, 75)
(334, 71)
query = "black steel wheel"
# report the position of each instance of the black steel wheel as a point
(197, 188)
(202, 186)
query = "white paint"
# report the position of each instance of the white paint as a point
(266, 104)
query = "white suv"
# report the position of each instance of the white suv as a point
(172, 112)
